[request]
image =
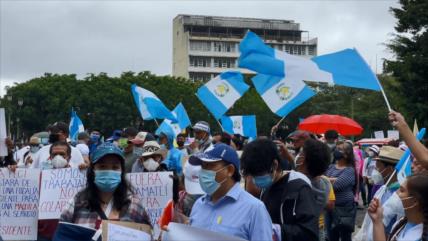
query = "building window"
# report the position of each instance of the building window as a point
(204, 77)
(199, 61)
(311, 50)
(200, 46)
(224, 63)
(224, 47)
(287, 48)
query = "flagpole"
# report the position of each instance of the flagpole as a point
(156, 122)
(279, 122)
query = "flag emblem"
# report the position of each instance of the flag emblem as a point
(222, 89)
(237, 125)
(283, 92)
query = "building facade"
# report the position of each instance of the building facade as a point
(205, 46)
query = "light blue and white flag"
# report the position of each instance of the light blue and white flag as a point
(75, 127)
(183, 121)
(243, 125)
(345, 67)
(281, 95)
(220, 93)
(149, 105)
(403, 167)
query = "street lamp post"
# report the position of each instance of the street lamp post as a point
(9, 98)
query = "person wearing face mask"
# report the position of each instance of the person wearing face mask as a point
(203, 141)
(331, 137)
(107, 195)
(287, 196)
(226, 208)
(94, 140)
(389, 200)
(340, 221)
(58, 132)
(24, 155)
(151, 158)
(59, 158)
(174, 158)
(313, 161)
(414, 225)
(368, 168)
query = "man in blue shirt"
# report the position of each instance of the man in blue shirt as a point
(226, 208)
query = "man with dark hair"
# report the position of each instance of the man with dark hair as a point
(8, 161)
(58, 132)
(59, 156)
(313, 161)
(226, 208)
(181, 139)
(331, 137)
(95, 140)
(287, 195)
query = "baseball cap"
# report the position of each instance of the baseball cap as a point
(374, 149)
(220, 152)
(105, 149)
(191, 178)
(140, 138)
(202, 126)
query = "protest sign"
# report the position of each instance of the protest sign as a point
(393, 134)
(119, 231)
(57, 187)
(19, 197)
(3, 134)
(379, 134)
(179, 232)
(155, 190)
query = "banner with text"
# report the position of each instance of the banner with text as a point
(19, 198)
(155, 190)
(57, 187)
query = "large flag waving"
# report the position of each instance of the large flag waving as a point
(220, 93)
(243, 125)
(403, 167)
(76, 126)
(183, 121)
(149, 105)
(345, 67)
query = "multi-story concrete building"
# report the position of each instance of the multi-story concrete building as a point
(204, 46)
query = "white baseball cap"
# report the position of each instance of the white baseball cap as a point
(191, 179)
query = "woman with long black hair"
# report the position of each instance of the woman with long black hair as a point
(107, 194)
(412, 227)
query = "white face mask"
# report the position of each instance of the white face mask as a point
(150, 164)
(370, 154)
(59, 162)
(377, 177)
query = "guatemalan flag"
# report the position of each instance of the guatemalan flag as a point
(220, 93)
(403, 167)
(183, 121)
(149, 105)
(76, 126)
(243, 125)
(281, 76)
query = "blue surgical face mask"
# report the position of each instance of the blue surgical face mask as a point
(207, 181)
(338, 155)
(95, 137)
(263, 182)
(107, 181)
(163, 146)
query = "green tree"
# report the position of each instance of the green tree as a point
(410, 46)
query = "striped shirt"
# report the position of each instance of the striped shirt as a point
(343, 186)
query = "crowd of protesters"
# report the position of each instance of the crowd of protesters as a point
(301, 187)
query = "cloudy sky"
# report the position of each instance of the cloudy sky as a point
(114, 36)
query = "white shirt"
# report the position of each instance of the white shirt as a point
(83, 148)
(43, 156)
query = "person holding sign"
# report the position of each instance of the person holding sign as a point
(108, 195)
(226, 208)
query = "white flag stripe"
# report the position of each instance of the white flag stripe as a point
(230, 96)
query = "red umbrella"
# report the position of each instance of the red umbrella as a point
(319, 124)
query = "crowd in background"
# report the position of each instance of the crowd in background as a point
(296, 187)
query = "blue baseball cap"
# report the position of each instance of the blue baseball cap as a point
(105, 149)
(220, 152)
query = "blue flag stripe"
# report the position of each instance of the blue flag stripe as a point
(211, 102)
